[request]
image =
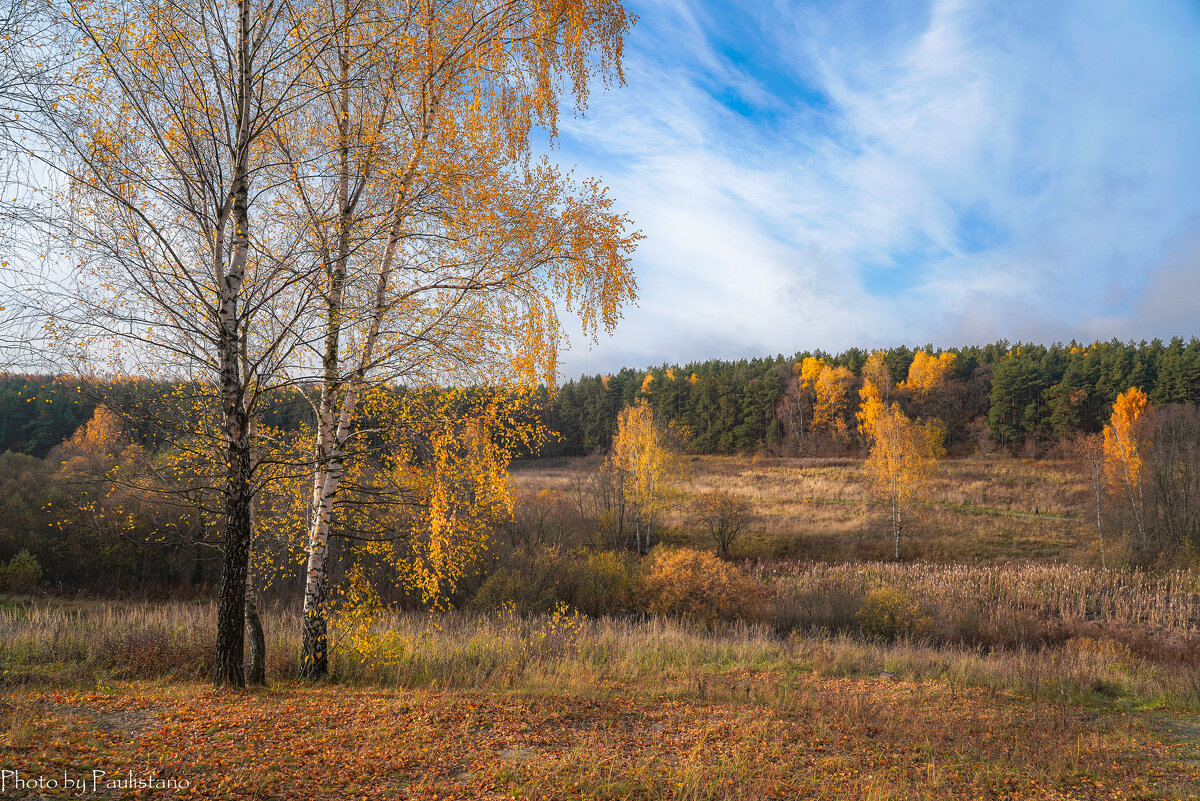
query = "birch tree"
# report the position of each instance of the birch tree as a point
(445, 252)
(1124, 456)
(157, 130)
(901, 461)
(642, 461)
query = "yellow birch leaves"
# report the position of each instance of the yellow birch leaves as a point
(875, 387)
(928, 374)
(1122, 449)
(831, 393)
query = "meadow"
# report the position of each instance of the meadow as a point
(999, 660)
(981, 509)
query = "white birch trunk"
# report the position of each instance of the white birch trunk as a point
(334, 433)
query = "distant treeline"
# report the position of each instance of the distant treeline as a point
(38, 413)
(1010, 395)
(999, 394)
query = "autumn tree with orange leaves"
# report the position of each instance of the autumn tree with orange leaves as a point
(1124, 449)
(445, 252)
(928, 374)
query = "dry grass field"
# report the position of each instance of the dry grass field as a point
(979, 509)
(997, 661)
(554, 707)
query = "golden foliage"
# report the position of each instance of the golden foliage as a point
(832, 387)
(102, 438)
(436, 492)
(1122, 446)
(691, 583)
(876, 386)
(808, 370)
(643, 462)
(928, 374)
(901, 462)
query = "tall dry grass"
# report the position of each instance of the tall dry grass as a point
(97, 642)
(1164, 602)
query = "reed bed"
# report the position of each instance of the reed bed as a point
(1167, 602)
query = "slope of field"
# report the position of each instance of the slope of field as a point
(979, 509)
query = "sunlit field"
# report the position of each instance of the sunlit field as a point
(979, 509)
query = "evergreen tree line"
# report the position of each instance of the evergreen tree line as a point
(1015, 396)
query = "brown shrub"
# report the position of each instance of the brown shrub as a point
(891, 614)
(689, 583)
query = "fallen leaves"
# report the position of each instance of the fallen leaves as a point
(838, 738)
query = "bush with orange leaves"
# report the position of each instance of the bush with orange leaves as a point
(682, 582)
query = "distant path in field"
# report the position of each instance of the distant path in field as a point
(991, 510)
(965, 508)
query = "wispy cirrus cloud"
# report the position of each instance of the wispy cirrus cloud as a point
(824, 176)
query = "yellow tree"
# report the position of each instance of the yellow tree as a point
(874, 393)
(826, 389)
(156, 129)
(808, 370)
(928, 386)
(1123, 448)
(832, 388)
(900, 463)
(446, 254)
(928, 374)
(645, 466)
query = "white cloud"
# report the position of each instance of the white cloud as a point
(953, 173)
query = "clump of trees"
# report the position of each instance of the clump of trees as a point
(338, 201)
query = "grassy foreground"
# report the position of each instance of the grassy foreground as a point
(978, 672)
(559, 707)
(829, 739)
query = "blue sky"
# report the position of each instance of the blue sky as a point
(823, 175)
